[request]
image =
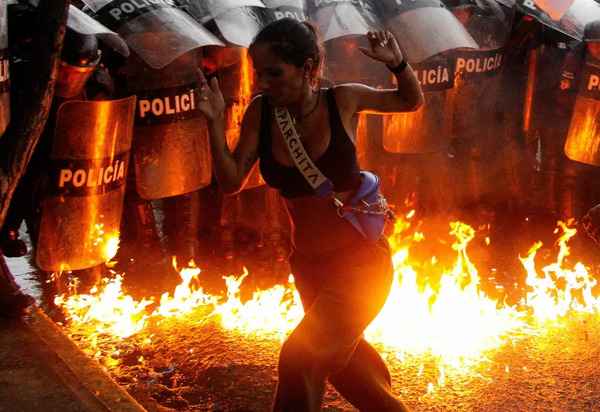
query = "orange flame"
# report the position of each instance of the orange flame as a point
(108, 242)
(185, 299)
(108, 310)
(558, 290)
(270, 313)
(454, 321)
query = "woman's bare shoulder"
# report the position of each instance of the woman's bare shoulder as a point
(253, 110)
(348, 95)
(350, 88)
(351, 91)
(256, 101)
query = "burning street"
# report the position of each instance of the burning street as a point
(163, 181)
(456, 338)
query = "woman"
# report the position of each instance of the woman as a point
(343, 280)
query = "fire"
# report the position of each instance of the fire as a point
(108, 310)
(450, 320)
(270, 313)
(455, 323)
(185, 299)
(558, 289)
(241, 74)
(109, 242)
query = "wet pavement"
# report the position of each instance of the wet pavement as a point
(42, 370)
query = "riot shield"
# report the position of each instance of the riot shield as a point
(476, 85)
(571, 21)
(239, 26)
(429, 128)
(344, 64)
(486, 21)
(4, 72)
(337, 19)
(170, 143)
(156, 30)
(423, 28)
(237, 20)
(82, 207)
(205, 10)
(279, 9)
(583, 140)
(84, 24)
(477, 82)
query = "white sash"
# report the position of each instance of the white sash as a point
(311, 173)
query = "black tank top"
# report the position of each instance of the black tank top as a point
(338, 163)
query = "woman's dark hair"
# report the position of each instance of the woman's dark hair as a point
(293, 41)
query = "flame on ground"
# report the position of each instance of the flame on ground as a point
(556, 289)
(453, 321)
(185, 299)
(270, 313)
(107, 309)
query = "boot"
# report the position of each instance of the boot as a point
(13, 302)
(10, 243)
(571, 191)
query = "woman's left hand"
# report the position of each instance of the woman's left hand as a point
(210, 100)
(384, 48)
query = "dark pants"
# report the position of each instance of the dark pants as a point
(341, 295)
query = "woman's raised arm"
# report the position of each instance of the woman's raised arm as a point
(407, 97)
(231, 169)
